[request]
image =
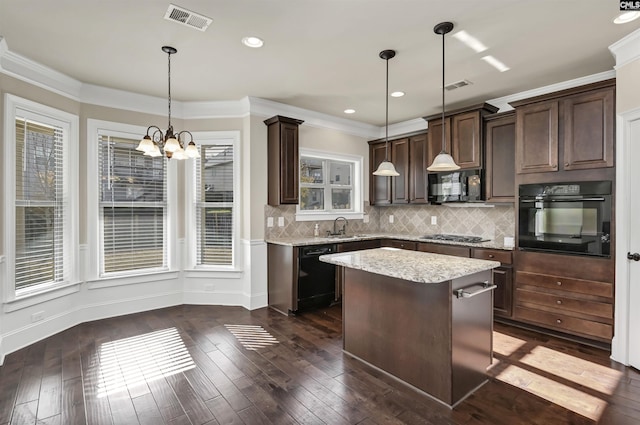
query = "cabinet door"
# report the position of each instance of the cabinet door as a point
(289, 164)
(379, 186)
(588, 130)
(418, 185)
(500, 145)
(465, 146)
(434, 137)
(503, 279)
(537, 138)
(400, 158)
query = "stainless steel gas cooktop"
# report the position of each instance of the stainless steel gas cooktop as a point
(455, 238)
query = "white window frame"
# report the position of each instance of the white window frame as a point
(16, 106)
(95, 128)
(358, 188)
(213, 138)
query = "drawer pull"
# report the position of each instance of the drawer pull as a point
(559, 302)
(559, 283)
(558, 321)
(491, 255)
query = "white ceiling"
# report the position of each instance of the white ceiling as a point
(320, 55)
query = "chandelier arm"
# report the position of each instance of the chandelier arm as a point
(184, 132)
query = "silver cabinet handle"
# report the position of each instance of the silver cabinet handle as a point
(485, 287)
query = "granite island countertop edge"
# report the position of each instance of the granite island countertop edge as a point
(414, 266)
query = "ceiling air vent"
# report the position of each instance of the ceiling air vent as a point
(186, 17)
(457, 85)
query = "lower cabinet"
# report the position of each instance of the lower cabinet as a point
(400, 244)
(347, 247)
(578, 302)
(502, 277)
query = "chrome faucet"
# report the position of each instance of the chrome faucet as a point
(344, 226)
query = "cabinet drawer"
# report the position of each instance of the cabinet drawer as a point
(399, 244)
(564, 323)
(456, 251)
(492, 254)
(579, 286)
(564, 305)
(358, 245)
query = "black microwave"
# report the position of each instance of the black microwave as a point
(456, 186)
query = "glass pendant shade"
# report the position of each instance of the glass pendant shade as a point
(172, 145)
(179, 154)
(443, 162)
(386, 168)
(154, 152)
(145, 145)
(192, 151)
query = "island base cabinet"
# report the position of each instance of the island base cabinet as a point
(420, 333)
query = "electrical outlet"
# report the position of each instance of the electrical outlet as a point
(269, 221)
(280, 221)
(434, 220)
(391, 219)
(365, 218)
(38, 316)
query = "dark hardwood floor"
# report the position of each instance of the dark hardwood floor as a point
(226, 365)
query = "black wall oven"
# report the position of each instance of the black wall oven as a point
(565, 218)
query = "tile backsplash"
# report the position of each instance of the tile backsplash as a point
(490, 222)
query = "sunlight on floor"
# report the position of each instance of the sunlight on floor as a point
(557, 377)
(506, 344)
(133, 361)
(252, 337)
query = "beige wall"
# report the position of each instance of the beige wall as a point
(628, 87)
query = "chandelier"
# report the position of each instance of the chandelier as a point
(154, 143)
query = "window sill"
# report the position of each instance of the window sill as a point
(214, 273)
(112, 281)
(40, 296)
(316, 216)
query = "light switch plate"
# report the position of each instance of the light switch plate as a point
(280, 221)
(365, 218)
(434, 220)
(391, 219)
(269, 221)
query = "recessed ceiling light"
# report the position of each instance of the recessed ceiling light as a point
(495, 63)
(397, 94)
(625, 17)
(349, 111)
(470, 41)
(254, 42)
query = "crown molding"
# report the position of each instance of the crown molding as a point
(503, 102)
(268, 108)
(627, 49)
(404, 127)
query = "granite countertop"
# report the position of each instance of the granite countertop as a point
(302, 241)
(414, 266)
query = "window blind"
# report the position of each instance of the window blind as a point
(40, 204)
(214, 205)
(132, 207)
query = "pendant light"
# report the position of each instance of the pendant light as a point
(443, 161)
(386, 167)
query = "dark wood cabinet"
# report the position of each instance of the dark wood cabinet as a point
(568, 130)
(568, 294)
(283, 160)
(436, 248)
(347, 247)
(463, 135)
(400, 244)
(588, 130)
(500, 144)
(379, 186)
(400, 158)
(502, 277)
(418, 184)
(409, 157)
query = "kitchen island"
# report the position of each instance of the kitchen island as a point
(423, 318)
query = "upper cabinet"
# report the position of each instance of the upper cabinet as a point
(568, 130)
(500, 146)
(463, 135)
(408, 155)
(283, 160)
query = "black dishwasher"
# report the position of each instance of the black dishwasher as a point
(316, 279)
